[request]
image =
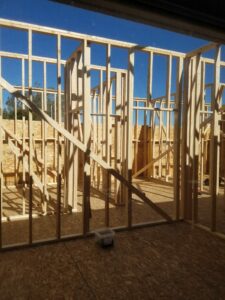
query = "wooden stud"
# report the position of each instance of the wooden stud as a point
(30, 133)
(168, 93)
(100, 120)
(185, 141)
(44, 137)
(177, 140)
(15, 132)
(107, 198)
(108, 132)
(145, 137)
(59, 152)
(54, 131)
(118, 123)
(129, 157)
(160, 142)
(196, 121)
(151, 117)
(75, 131)
(215, 140)
(71, 124)
(135, 144)
(24, 142)
(86, 136)
(66, 159)
(124, 135)
(202, 117)
(191, 134)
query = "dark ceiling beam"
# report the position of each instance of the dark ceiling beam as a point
(196, 18)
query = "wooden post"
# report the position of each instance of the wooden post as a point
(59, 152)
(196, 132)
(108, 137)
(75, 131)
(215, 140)
(30, 209)
(71, 124)
(23, 142)
(86, 135)
(55, 133)
(177, 140)
(124, 135)
(153, 137)
(44, 137)
(30, 133)
(101, 107)
(160, 141)
(191, 137)
(168, 93)
(118, 135)
(107, 183)
(66, 144)
(104, 121)
(15, 133)
(135, 141)
(185, 141)
(68, 156)
(148, 138)
(145, 136)
(129, 157)
(202, 117)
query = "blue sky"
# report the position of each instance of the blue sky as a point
(48, 13)
(70, 18)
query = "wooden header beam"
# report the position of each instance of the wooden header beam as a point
(81, 37)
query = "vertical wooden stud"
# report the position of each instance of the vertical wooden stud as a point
(23, 142)
(130, 95)
(215, 140)
(44, 137)
(168, 100)
(185, 141)
(118, 135)
(148, 139)
(59, 150)
(108, 132)
(202, 117)
(196, 120)
(86, 135)
(176, 138)
(30, 133)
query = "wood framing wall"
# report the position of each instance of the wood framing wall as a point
(203, 144)
(103, 136)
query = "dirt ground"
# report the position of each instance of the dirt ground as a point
(161, 262)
